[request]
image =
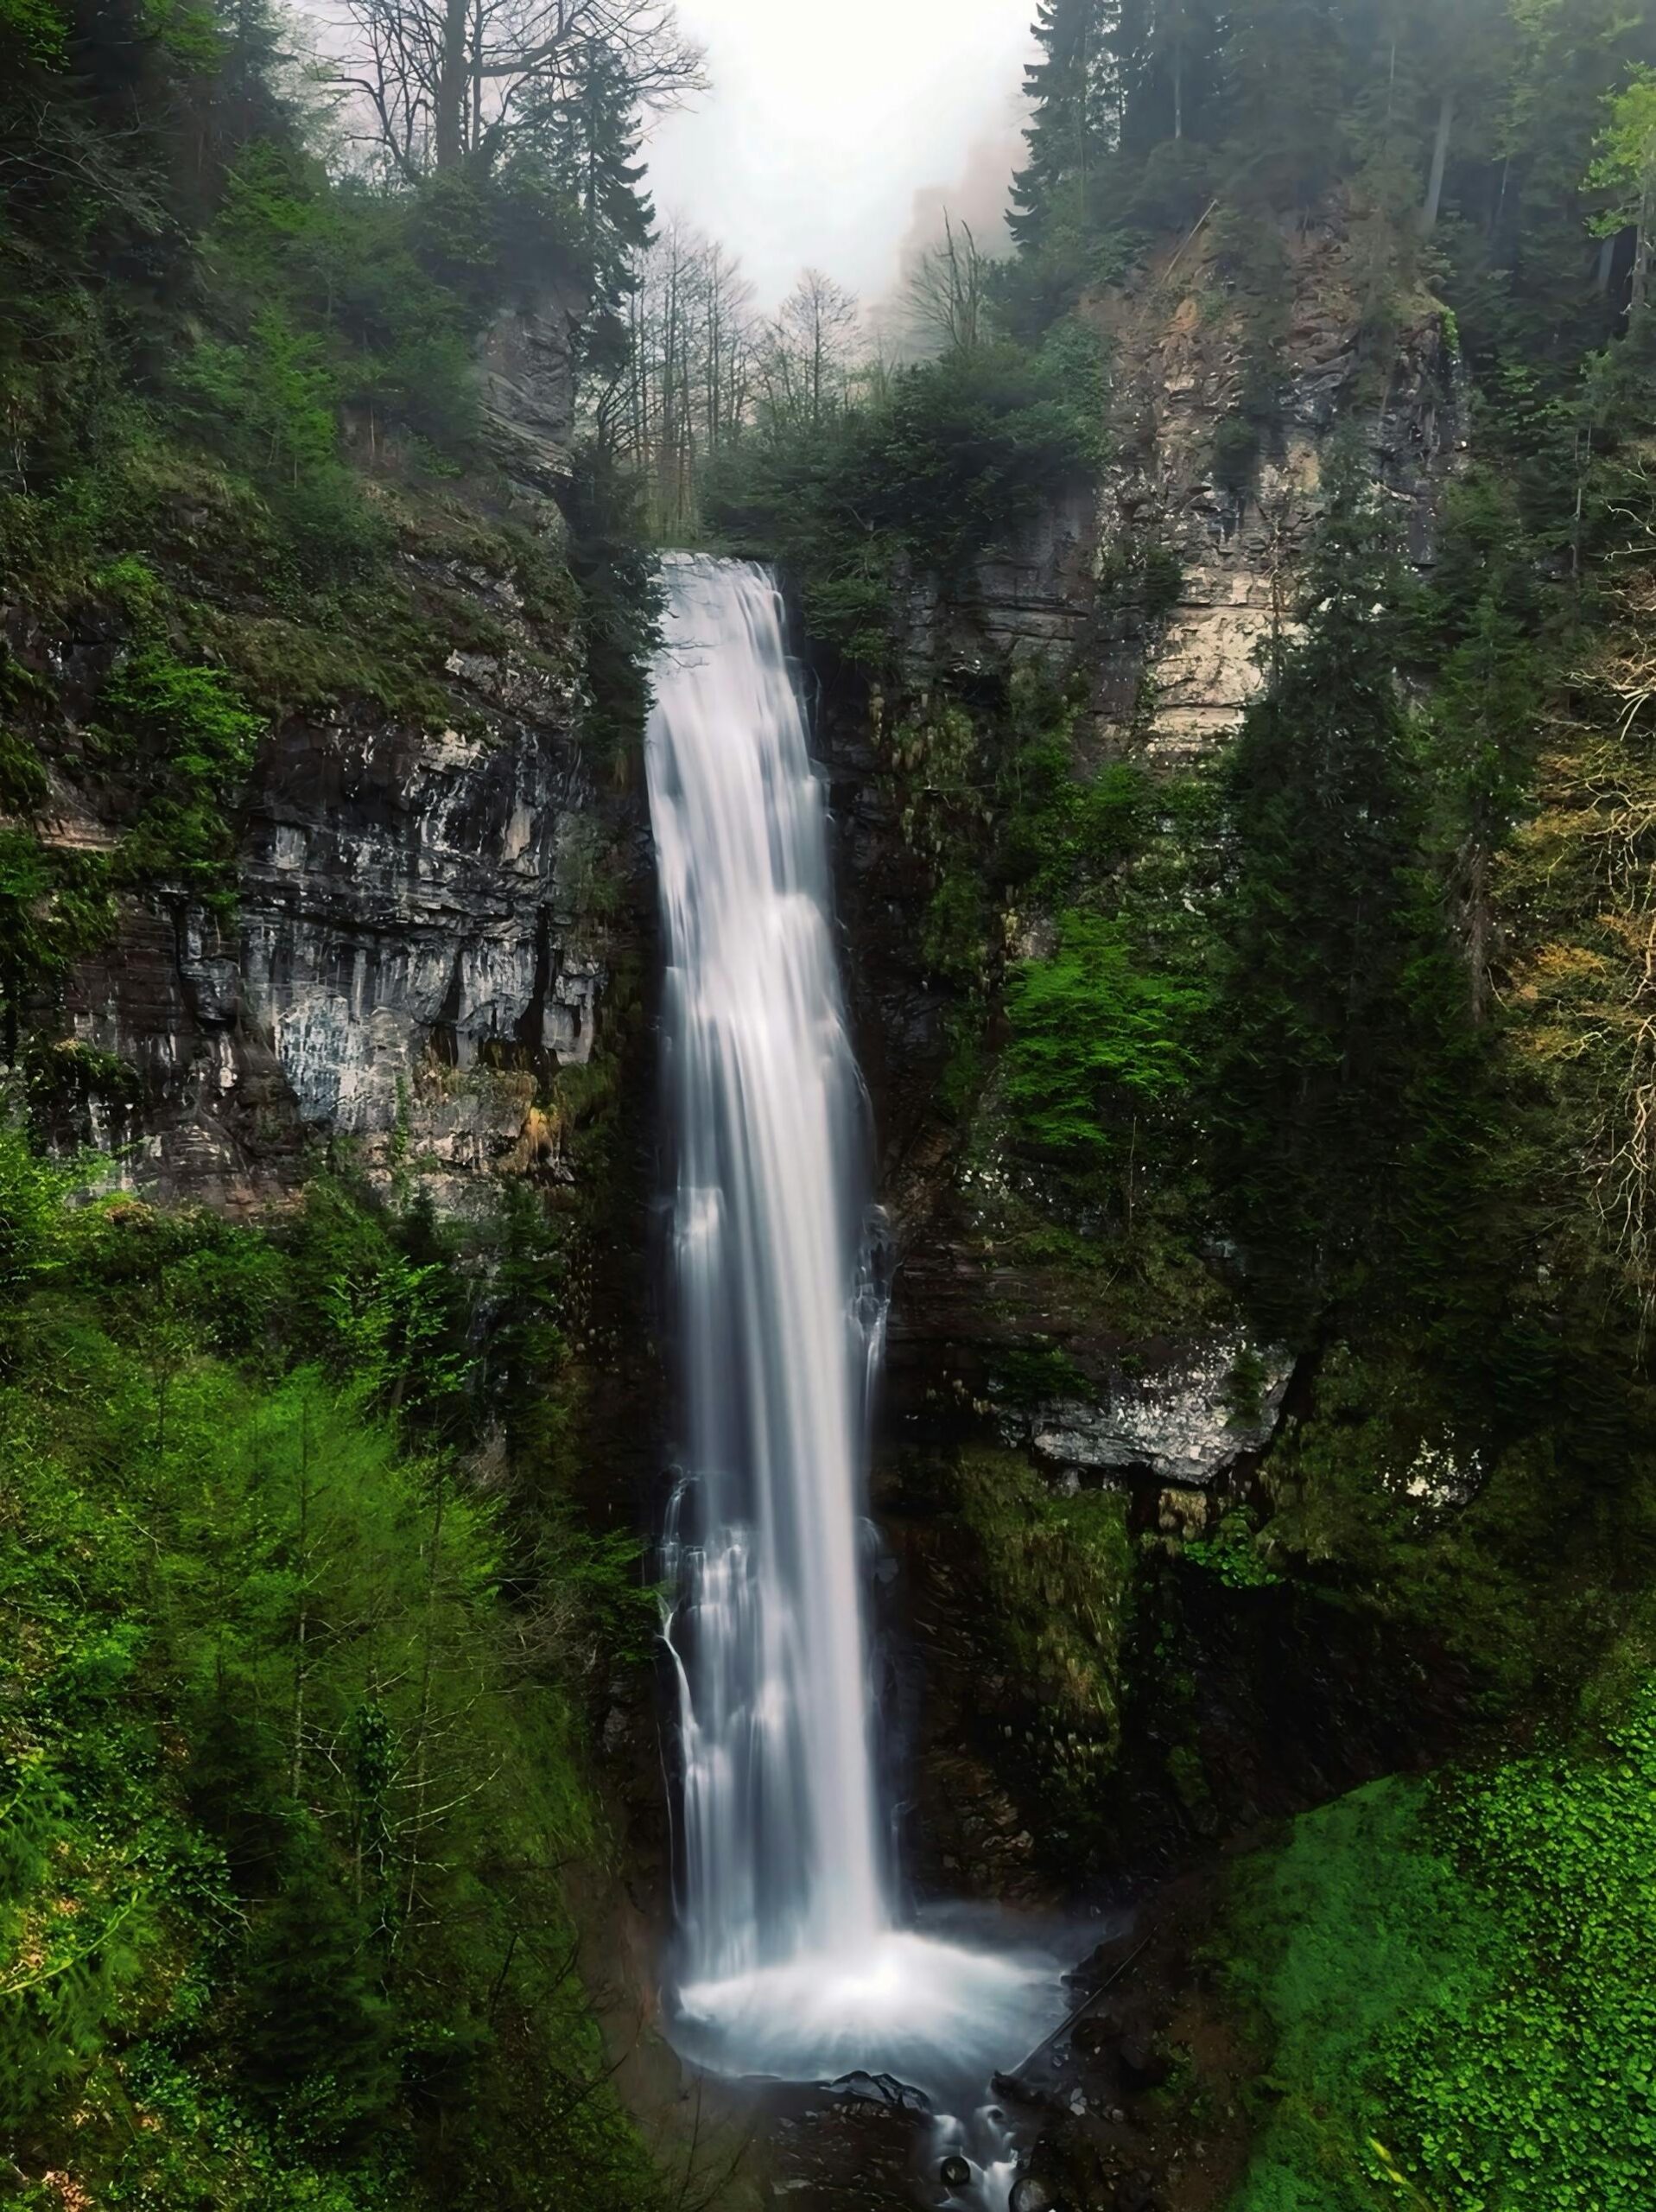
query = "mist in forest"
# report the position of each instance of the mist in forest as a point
(820, 128)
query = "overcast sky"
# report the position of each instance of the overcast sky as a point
(825, 117)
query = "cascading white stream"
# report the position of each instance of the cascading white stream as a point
(794, 1962)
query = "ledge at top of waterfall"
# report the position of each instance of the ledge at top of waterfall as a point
(793, 1959)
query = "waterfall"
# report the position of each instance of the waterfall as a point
(794, 1959)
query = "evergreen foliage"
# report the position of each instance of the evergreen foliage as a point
(1097, 1042)
(1323, 934)
(292, 1749)
(948, 463)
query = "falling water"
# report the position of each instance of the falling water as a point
(794, 1961)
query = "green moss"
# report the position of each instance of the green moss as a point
(1056, 1575)
(1514, 1562)
(1336, 1938)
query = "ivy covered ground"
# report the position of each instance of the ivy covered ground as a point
(1452, 1981)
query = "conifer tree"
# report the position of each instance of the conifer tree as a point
(319, 2032)
(1323, 926)
(586, 131)
(1066, 87)
(1282, 68)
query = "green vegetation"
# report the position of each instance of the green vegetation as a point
(201, 739)
(1324, 929)
(294, 1716)
(1448, 1980)
(947, 462)
(1337, 1040)
(1058, 1573)
(1095, 1042)
(247, 469)
(1339, 1037)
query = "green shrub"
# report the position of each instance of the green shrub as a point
(1098, 1040)
(947, 465)
(195, 741)
(290, 1766)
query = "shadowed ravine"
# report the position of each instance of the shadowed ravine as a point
(793, 1959)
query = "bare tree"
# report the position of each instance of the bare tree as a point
(442, 78)
(688, 378)
(808, 354)
(947, 293)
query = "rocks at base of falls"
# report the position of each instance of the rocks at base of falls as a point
(1178, 1424)
(861, 2086)
(1031, 2194)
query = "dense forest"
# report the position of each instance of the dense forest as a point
(1328, 1040)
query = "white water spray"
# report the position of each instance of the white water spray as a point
(793, 1961)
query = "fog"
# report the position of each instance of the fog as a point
(829, 132)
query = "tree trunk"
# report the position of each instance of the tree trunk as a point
(475, 137)
(454, 83)
(1478, 930)
(1439, 161)
(301, 1629)
(1641, 252)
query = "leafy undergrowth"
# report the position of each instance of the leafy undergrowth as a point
(290, 1720)
(1452, 1979)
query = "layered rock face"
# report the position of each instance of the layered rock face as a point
(1034, 595)
(411, 945)
(424, 917)
(1178, 686)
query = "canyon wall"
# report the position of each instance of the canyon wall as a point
(1053, 1443)
(1167, 672)
(429, 897)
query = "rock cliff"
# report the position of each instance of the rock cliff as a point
(1157, 594)
(429, 889)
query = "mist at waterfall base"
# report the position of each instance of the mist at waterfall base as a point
(793, 1961)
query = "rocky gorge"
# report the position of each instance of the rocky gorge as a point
(1222, 654)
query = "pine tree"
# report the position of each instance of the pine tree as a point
(318, 2033)
(586, 130)
(1282, 68)
(246, 103)
(1070, 132)
(1323, 924)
